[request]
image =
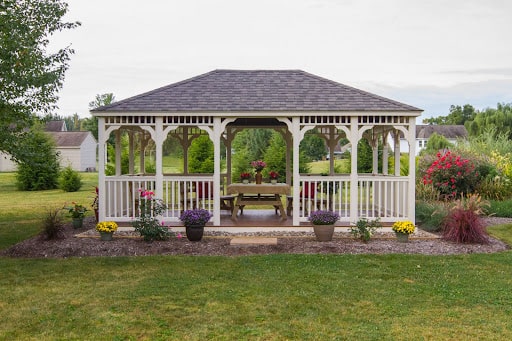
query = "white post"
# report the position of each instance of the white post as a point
(296, 134)
(101, 168)
(159, 176)
(354, 139)
(217, 132)
(411, 138)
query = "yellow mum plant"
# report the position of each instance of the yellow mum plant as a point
(406, 227)
(106, 226)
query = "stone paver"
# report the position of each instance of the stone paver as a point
(250, 241)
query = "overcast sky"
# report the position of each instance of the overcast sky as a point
(426, 53)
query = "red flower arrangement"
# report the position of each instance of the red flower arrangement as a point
(245, 176)
(273, 175)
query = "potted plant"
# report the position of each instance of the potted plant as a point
(245, 177)
(194, 221)
(77, 212)
(323, 224)
(273, 175)
(106, 229)
(402, 230)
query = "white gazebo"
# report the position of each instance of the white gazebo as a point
(221, 103)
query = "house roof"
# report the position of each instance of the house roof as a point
(69, 139)
(256, 90)
(56, 126)
(448, 131)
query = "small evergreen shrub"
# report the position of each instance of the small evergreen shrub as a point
(70, 180)
(52, 224)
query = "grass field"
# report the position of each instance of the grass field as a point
(274, 297)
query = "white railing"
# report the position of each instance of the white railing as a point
(179, 193)
(325, 193)
(383, 197)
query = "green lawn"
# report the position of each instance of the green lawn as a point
(274, 297)
(21, 212)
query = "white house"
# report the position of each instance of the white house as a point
(423, 132)
(76, 148)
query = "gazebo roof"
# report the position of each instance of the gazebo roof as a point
(259, 91)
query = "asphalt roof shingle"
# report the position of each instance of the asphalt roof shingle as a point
(256, 90)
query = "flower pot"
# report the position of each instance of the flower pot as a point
(245, 181)
(273, 181)
(259, 177)
(402, 237)
(323, 233)
(194, 232)
(78, 223)
(106, 236)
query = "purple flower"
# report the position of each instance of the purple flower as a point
(323, 217)
(195, 217)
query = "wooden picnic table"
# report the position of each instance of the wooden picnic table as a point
(259, 194)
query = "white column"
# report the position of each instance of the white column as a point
(102, 139)
(217, 132)
(354, 139)
(411, 138)
(296, 137)
(159, 176)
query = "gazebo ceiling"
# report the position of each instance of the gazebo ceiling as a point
(256, 91)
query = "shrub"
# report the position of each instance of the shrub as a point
(146, 224)
(364, 229)
(52, 225)
(497, 188)
(500, 208)
(430, 215)
(70, 180)
(426, 192)
(463, 224)
(38, 168)
(452, 175)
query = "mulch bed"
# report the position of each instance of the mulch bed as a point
(218, 244)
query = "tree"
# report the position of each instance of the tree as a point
(30, 77)
(313, 146)
(39, 168)
(201, 155)
(91, 123)
(436, 143)
(458, 116)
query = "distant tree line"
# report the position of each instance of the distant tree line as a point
(498, 120)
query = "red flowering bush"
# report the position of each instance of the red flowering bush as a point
(452, 175)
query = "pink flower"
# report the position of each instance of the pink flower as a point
(179, 236)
